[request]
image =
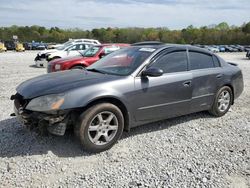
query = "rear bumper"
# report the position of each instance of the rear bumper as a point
(238, 85)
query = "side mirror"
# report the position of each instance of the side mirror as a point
(152, 72)
(101, 55)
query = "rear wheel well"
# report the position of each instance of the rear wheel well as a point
(117, 103)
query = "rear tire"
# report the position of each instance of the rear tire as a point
(222, 102)
(99, 127)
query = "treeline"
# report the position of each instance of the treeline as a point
(213, 34)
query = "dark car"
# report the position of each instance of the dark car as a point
(27, 45)
(127, 88)
(86, 58)
(38, 46)
(10, 45)
(41, 46)
(230, 49)
(240, 48)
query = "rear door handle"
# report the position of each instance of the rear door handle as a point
(187, 83)
(219, 76)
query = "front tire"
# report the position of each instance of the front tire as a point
(100, 127)
(78, 67)
(222, 102)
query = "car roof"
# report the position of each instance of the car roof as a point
(174, 46)
(112, 44)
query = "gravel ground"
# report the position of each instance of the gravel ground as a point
(196, 150)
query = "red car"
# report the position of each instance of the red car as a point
(87, 58)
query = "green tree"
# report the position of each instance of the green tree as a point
(246, 28)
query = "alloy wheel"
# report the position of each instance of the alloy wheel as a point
(224, 101)
(103, 128)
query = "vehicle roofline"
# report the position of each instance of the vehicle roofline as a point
(160, 48)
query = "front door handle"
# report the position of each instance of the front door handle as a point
(187, 83)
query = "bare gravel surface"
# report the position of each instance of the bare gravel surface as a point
(196, 150)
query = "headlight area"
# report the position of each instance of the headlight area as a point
(57, 67)
(46, 103)
(44, 113)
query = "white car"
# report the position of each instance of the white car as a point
(92, 41)
(213, 49)
(40, 59)
(71, 51)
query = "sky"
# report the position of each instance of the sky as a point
(89, 14)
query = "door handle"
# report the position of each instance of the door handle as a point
(219, 76)
(187, 83)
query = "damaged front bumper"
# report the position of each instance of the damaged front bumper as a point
(41, 63)
(55, 122)
(40, 60)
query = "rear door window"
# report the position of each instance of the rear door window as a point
(80, 47)
(200, 60)
(216, 61)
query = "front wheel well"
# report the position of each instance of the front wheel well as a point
(117, 103)
(53, 58)
(76, 65)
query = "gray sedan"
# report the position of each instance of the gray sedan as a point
(130, 87)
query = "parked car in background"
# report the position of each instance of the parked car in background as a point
(247, 48)
(38, 46)
(222, 49)
(10, 45)
(92, 41)
(41, 58)
(212, 49)
(41, 46)
(51, 46)
(87, 58)
(19, 47)
(128, 88)
(73, 50)
(230, 49)
(27, 45)
(240, 48)
(2, 47)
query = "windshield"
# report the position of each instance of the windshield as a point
(91, 52)
(65, 45)
(122, 62)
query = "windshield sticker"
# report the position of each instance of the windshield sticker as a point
(147, 50)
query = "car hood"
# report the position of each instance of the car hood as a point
(66, 59)
(58, 53)
(60, 82)
(47, 51)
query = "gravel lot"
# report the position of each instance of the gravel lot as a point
(196, 150)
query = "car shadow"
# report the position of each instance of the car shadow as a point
(16, 140)
(165, 124)
(34, 66)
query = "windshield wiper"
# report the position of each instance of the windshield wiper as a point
(96, 70)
